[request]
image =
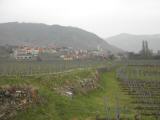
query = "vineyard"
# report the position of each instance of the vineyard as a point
(141, 81)
(44, 67)
(126, 90)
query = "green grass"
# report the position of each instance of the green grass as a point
(112, 91)
(81, 107)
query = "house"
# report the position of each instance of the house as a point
(25, 52)
(22, 54)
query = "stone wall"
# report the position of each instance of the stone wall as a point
(15, 98)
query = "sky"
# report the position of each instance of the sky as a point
(102, 17)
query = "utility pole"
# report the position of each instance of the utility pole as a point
(117, 108)
(106, 108)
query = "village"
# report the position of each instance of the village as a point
(63, 53)
(69, 53)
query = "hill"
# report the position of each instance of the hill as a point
(15, 33)
(130, 42)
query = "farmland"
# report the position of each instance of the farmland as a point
(141, 81)
(101, 90)
(34, 67)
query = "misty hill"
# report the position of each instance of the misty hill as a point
(15, 33)
(130, 42)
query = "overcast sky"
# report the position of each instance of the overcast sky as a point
(103, 17)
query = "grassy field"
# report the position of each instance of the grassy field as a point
(81, 106)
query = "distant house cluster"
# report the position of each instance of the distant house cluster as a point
(75, 54)
(25, 52)
(64, 53)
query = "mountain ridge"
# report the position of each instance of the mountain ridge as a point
(15, 33)
(133, 42)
